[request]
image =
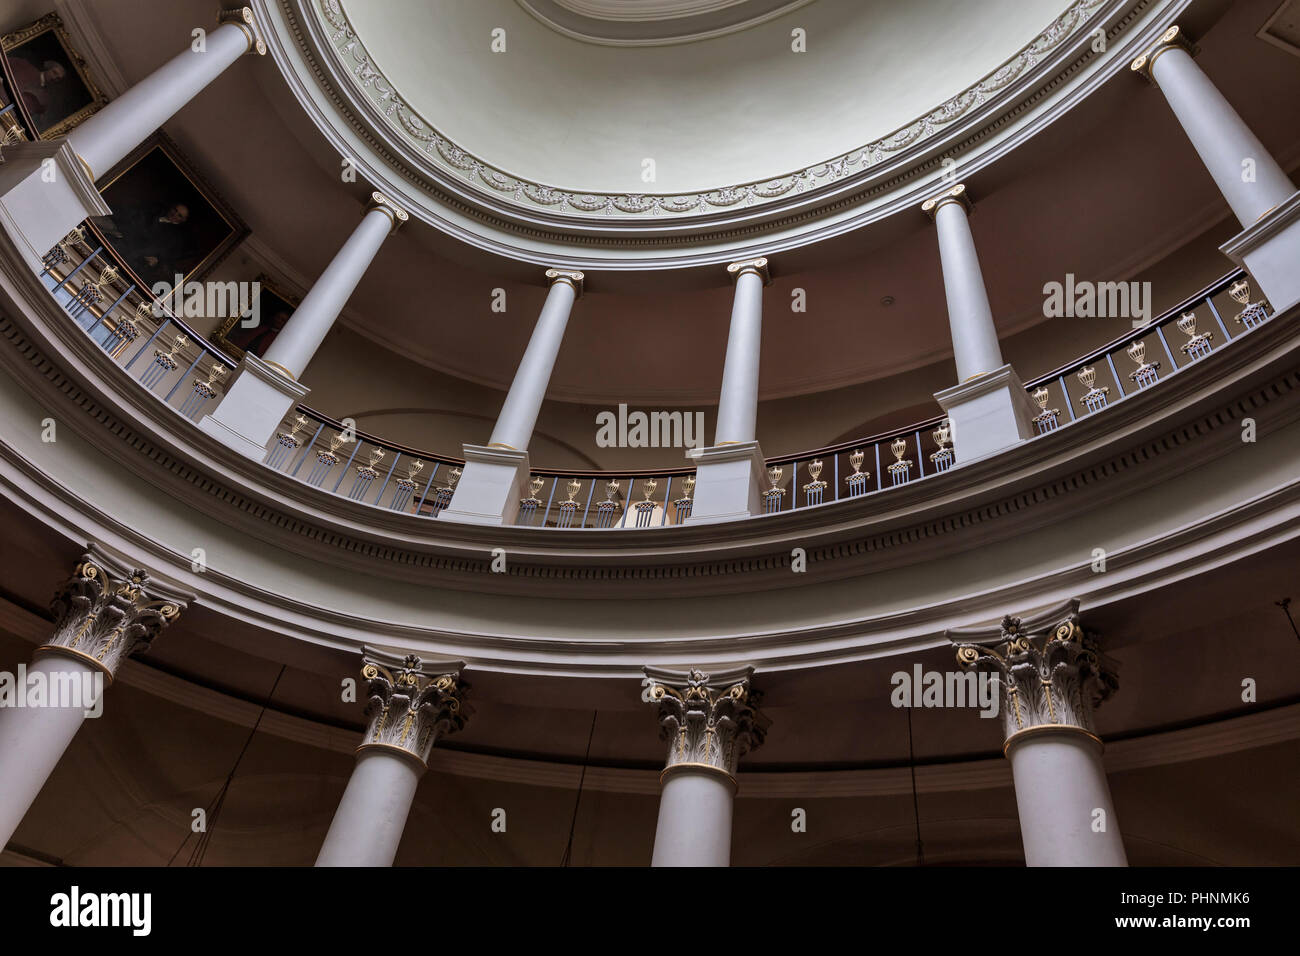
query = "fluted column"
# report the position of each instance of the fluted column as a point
(738, 403)
(1220, 137)
(408, 708)
(102, 614)
(708, 722)
(514, 427)
(970, 318)
(109, 135)
(987, 409)
(1051, 675)
(265, 389)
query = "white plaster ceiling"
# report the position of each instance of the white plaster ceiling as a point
(734, 108)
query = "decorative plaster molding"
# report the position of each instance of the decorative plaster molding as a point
(707, 721)
(410, 705)
(370, 81)
(1049, 675)
(106, 611)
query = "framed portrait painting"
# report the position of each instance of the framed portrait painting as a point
(47, 79)
(166, 221)
(239, 335)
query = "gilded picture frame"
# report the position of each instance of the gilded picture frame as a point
(48, 79)
(167, 220)
(274, 308)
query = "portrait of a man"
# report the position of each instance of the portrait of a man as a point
(46, 79)
(164, 224)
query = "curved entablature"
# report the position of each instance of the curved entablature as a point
(304, 563)
(447, 185)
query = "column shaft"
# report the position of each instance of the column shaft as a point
(368, 824)
(694, 826)
(514, 426)
(33, 739)
(108, 136)
(974, 336)
(1060, 785)
(738, 403)
(306, 329)
(1220, 137)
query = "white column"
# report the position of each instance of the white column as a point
(1262, 196)
(738, 403)
(409, 708)
(694, 827)
(103, 613)
(368, 824)
(1224, 142)
(33, 739)
(109, 135)
(514, 427)
(729, 473)
(264, 390)
(1051, 674)
(490, 490)
(306, 329)
(1061, 796)
(708, 722)
(970, 318)
(987, 409)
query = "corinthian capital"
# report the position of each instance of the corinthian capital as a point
(409, 705)
(105, 612)
(706, 720)
(1051, 673)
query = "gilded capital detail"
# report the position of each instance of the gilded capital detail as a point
(708, 722)
(394, 212)
(1050, 676)
(409, 708)
(1173, 39)
(757, 266)
(103, 614)
(571, 276)
(956, 194)
(243, 18)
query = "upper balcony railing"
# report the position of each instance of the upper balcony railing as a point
(175, 364)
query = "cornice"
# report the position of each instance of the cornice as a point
(819, 202)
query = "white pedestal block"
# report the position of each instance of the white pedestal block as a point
(988, 414)
(728, 482)
(254, 405)
(489, 491)
(45, 192)
(1270, 251)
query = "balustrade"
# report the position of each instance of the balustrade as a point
(170, 360)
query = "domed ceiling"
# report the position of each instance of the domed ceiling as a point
(785, 88)
(653, 22)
